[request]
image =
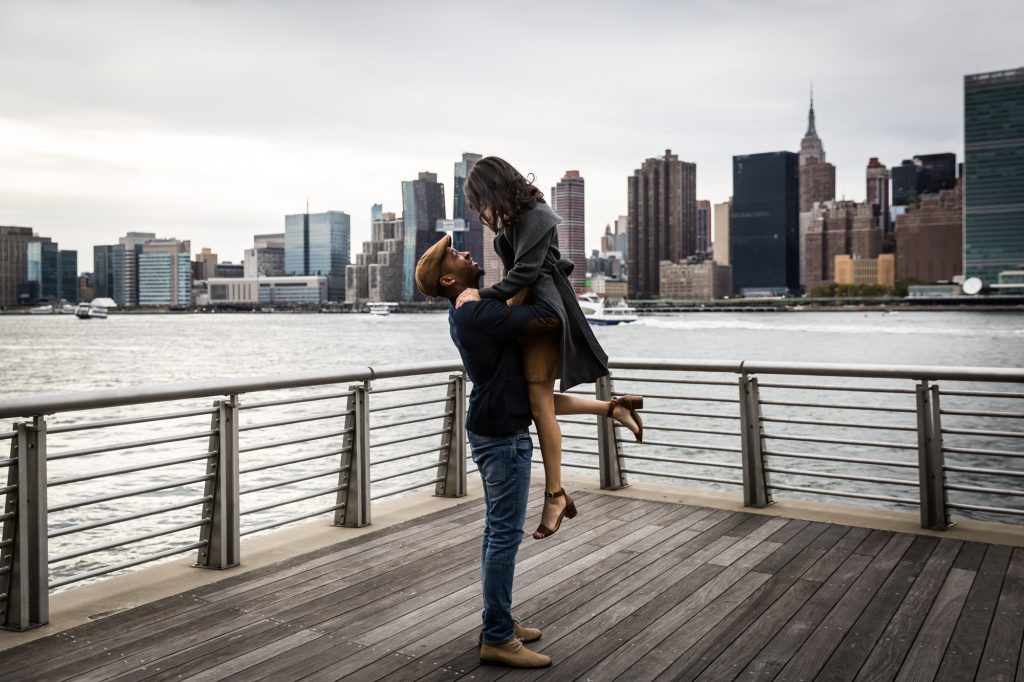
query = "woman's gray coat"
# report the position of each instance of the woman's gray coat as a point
(529, 252)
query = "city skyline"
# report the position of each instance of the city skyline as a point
(119, 143)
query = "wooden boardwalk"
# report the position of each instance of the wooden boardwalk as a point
(630, 590)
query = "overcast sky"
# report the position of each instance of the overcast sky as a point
(211, 120)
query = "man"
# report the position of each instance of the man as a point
(485, 333)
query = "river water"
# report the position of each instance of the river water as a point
(42, 354)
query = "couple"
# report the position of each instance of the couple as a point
(516, 338)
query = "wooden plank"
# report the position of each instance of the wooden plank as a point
(645, 629)
(789, 531)
(581, 638)
(282, 664)
(657, 659)
(196, 653)
(812, 654)
(925, 656)
(569, 614)
(95, 631)
(1003, 647)
(887, 656)
(777, 652)
(418, 630)
(254, 657)
(963, 655)
(90, 657)
(744, 646)
(610, 573)
(333, 587)
(970, 556)
(754, 536)
(860, 639)
(796, 558)
(874, 542)
(376, 622)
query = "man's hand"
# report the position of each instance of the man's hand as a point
(466, 296)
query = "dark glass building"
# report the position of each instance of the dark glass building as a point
(422, 207)
(924, 174)
(103, 271)
(68, 274)
(319, 244)
(994, 173)
(43, 268)
(764, 229)
(472, 237)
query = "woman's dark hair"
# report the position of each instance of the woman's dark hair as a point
(494, 184)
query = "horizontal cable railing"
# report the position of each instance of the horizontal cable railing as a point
(105, 481)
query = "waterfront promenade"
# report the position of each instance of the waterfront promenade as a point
(641, 586)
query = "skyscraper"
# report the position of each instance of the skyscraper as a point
(126, 267)
(929, 238)
(42, 270)
(472, 237)
(763, 226)
(103, 271)
(662, 196)
(838, 228)
(817, 178)
(165, 273)
(13, 255)
(319, 244)
(567, 201)
(67, 268)
(720, 232)
(422, 207)
(994, 173)
(878, 192)
(924, 174)
(703, 226)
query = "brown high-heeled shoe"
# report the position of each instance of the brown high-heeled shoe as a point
(569, 511)
(631, 403)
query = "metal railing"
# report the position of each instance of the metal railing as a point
(195, 477)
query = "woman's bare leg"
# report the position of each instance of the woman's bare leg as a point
(574, 404)
(542, 405)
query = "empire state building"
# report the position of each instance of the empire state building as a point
(817, 178)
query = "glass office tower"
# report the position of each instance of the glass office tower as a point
(69, 275)
(319, 244)
(764, 228)
(993, 174)
(43, 268)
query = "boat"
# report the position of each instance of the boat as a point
(42, 310)
(95, 310)
(598, 314)
(381, 309)
(67, 309)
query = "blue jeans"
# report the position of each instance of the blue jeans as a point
(504, 465)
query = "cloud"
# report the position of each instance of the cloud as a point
(210, 120)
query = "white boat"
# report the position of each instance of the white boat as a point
(42, 310)
(67, 309)
(96, 310)
(381, 309)
(598, 314)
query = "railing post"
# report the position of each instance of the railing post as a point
(356, 493)
(755, 479)
(27, 597)
(451, 464)
(930, 458)
(222, 532)
(608, 454)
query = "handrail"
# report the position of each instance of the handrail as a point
(50, 403)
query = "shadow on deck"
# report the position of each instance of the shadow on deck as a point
(631, 589)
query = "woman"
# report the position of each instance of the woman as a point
(527, 243)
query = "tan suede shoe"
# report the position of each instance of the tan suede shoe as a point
(527, 634)
(513, 654)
